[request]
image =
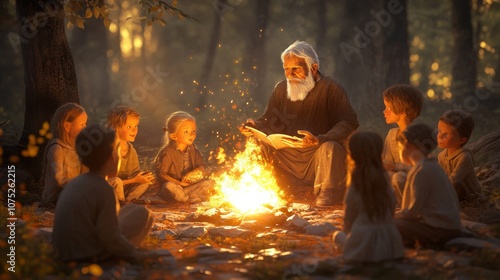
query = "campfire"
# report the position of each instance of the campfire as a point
(249, 186)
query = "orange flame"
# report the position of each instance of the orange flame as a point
(249, 186)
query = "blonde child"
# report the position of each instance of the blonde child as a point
(180, 169)
(369, 204)
(403, 104)
(131, 183)
(454, 130)
(61, 163)
(430, 213)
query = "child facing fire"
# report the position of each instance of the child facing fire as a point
(179, 166)
(370, 233)
(403, 104)
(430, 212)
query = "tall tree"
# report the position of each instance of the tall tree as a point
(49, 70)
(321, 28)
(90, 46)
(220, 7)
(396, 50)
(255, 61)
(9, 65)
(464, 57)
(359, 56)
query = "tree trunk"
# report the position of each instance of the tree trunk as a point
(358, 61)
(322, 25)
(464, 58)
(12, 103)
(396, 49)
(90, 46)
(211, 52)
(496, 78)
(49, 71)
(255, 62)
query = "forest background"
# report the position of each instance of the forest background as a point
(222, 65)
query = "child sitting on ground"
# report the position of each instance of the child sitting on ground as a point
(369, 204)
(454, 130)
(131, 183)
(403, 104)
(180, 170)
(430, 213)
(86, 225)
(60, 162)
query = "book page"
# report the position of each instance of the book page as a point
(259, 135)
(276, 140)
(273, 139)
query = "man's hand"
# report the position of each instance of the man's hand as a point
(245, 131)
(309, 140)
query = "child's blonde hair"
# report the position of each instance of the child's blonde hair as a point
(117, 117)
(173, 123)
(366, 173)
(66, 113)
(404, 99)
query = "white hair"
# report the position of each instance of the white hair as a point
(303, 50)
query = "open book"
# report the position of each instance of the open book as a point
(273, 139)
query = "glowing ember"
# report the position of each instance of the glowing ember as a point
(250, 185)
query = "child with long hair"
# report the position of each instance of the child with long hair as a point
(369, 204)
(60, 162)
(180, 170)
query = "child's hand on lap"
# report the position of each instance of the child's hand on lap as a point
(193, 176)
(144, 177)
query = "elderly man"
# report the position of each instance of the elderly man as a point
(315, 106)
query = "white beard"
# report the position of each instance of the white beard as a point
(298, 91)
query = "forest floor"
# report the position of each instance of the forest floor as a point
(222, 249)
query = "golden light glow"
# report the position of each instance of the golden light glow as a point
(125, 43)
(415, 78)
(115, 66)
(447, 94)
(435, 66)
(137, 45)
(113, 28)
(249, 186)
(418, 43)
(490, 71)
(431, 93)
